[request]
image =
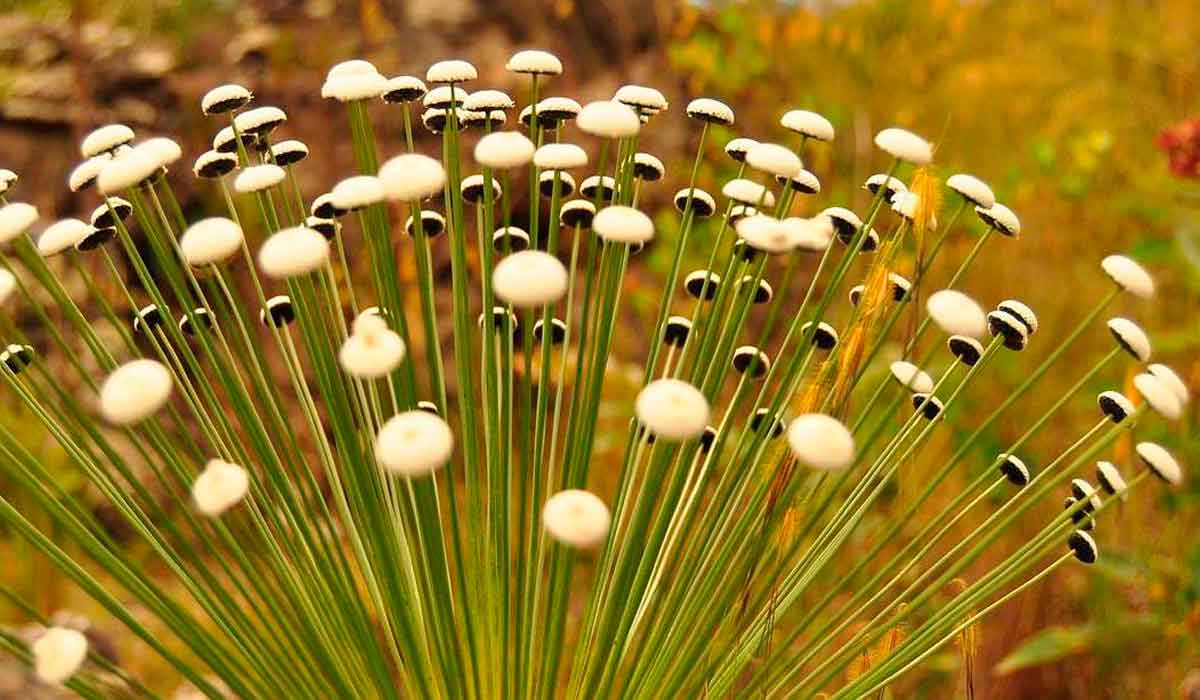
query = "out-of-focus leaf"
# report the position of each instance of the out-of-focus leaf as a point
(1051, 644)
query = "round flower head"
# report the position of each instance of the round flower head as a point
(214, 164)
(1129, 276)
(1084, 547)
(702, 284)
(353, 66)
(1022, 312)
(372, 350)
(411, 177)
(807, 124)
(1131, 338)
(608, 119)
(553, 110)
(534, 62)
(956, 313)
(357, 192)
(647, 167)
(672, 409)
(8, 285)
(1014, 470)
(278, 312)
(642, 98)
(621, 224)
(1010, 328)
(1081, 490)
(821, 442)
(892, 185)
(766, 234)
(558, 331)
(824, 337)
(160, 150)
(289, 152)
(845, 222)
(354, 86)
(210, 241)
(433, 224)
(929, 406)
(598, 186)
(225, 98)
(414, 443)
(105, 139)
(972, 189)
(226, 140)
(712, 111)
(323, 207)
(509, 239)
(84, 175)
(803, 182)
(293, 251)
(904, 145)
(16, 357)
(774, 159)
(1160, 398)
(443, 97)
(576, 518)
(221, 486)
(529, 278)
(967, 350)
(565, 183)
(676, 331)
(61, 235)
(813, 235)
(1001, 219)
(1159, 461)
(1115, 406)
(577, 212)
(560, 156)
(257, 178)
(739, 147)
(113, 209)
(404, 88)
(7, 179)
(701, 203)
(911, 377)
(474, 190)
(1168, 377)
(452, 71)
(127, 169)
(58, 654)
(1110, 478)
(135, 391)
(487, 100)
(260, 120)
(15, 219)
(748, 192)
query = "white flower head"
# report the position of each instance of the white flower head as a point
(127, 169)
(214, 164)
(560, 156)
(1001, 219)
(738, 148)
(956, 313)
(748, 192)
(911, 377)
(576, 518)
(160, 150)
(809, 124)
(1159, 461)
(414, 443)
(58, 654)
(8, 285)
(1158, 395)
(348, 87)
(503, 150)
(811, 234)
(1131, 338)
(84, 175)
(105, 139)
(972, 189)
(256, 178)
(135, 391)
(774, 159)
(292, 252)
(260, 120)
(608, 119)
(709, 110)
(1173, 381)
(904, 145)
(357, 192)
(487, 100)
(1022, 312)
(451, 71)
(821, 442)
(221, 486)
(15, 219)
(404, 88)
(672, 409)
(641, 98)
(226, 140)
(225, 98)
(529, 278)
(621, 224)
(700, 202)
(1115, 405)
(61, 235)
(1110, 478)
(552, 110)
(412, 177)
(1129, 276)
(209, 241)
(7, 179)
(353, 66)
(373, 350)
(766, 233)
(289, 152)
(534, 62)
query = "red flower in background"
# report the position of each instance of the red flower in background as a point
(1182, 144)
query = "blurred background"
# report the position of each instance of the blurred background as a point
(1084, 115)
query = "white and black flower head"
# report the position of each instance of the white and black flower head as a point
(676, 331)
(892, 186)
(1129, 276)
(7, 179)
(257, 178)
(1021, 312)
(324, 208)
(1001, 219)
(972, 189)
(648, 168)
(62, 235)
(560, 178)
(225, 98)
(1131, 338)
(709, 110)
(16, 357)
(577, 213)
(645, 100)
(904, 145)
(403, 88)
(105, 139)
(289, 152)
(558, 331)
(1084, 547)
(749, 360)
(487, 100)
(1173, 381)
(702, 284)
(929, 406)
(808, 124)
(1009, 327)
(697, 200)
(911, 377)
(433, 224)
(1110, 479)
(226, 140)
(443, 97)
(260, 120)
(1014, 470)
(1159, 461)
(534, 62)
(598, 187)
(1114, 405)
(214, 164)
(968, 350)
(803, 182)
(1159, 397)
(278, 312)
(824, 336)
(552, 111)
(85, 174)
(821, 442)
(451, 71)
(474, 191)
(774, 159)
(748, 192)
(739, 147)
(608, 119)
